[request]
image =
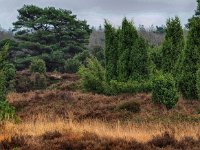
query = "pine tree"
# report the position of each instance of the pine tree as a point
(191, 58)
(172, 46)
(111, 54)
(52, 34)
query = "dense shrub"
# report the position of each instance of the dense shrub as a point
(127, 39)
(172, 46)
(155, 55)
(39, 81)
(164, 90)
(115, 87)
(7, 112)
(198, 83)
(23, 84)
(98, 52)
(111, 51)
(129, 106)
(3, 90)
(10, 72)
(138, 65)
(72, 65)
(190, 64)
(92, 76)
(38, 65)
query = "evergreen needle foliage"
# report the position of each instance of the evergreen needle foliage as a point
(190, 65)
(172, 46)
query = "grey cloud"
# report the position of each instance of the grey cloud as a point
(94, 11)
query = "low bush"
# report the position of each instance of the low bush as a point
(131, 106)
(72, 65)
(10, 74)
(39, 81)
(164, 90)
(38, 65)
(198, 83)
(93, 76)
(198, 110)
(23, 84)
(115, 87)
(93, 80)
(3, 89)
(7, 112)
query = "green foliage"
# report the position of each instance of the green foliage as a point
(173, 46)
(39, 81)
(92, 76)
(23, 84)
(10, 74)
(190, 64)
(98, 52)
(155, 55)
(38, 65)
(111, 55)
(115, 87)
(164, 90)
(127, 37)
(139, 61)
(133, 58)
(197, 12)
(3, 55)
(7, 112)
(73, 64)
(198, 110)
(198, 83)
(3, 89)
(7, 73)
(131, 106)
(57, 33)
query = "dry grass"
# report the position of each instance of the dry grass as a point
(67, 119)
(127, 131)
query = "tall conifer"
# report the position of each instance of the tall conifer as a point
(172, 46)
(111, 51)
(191, 60)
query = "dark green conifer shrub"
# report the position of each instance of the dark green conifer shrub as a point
(3, 89)
(72, 65)
(92, 76)
(190, 64)
(38, 65)
(139, 61)
(173, 46)
(39, 81)
(111, 51)
(127, 38)
(198, 83)
(164, 91)
(6, 111)
(10, 72)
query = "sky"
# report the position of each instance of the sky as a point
(145, 12)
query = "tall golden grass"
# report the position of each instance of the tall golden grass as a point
(115, 130)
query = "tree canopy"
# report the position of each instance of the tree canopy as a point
(55, 33)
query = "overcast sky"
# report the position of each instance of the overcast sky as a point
(146, 12)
